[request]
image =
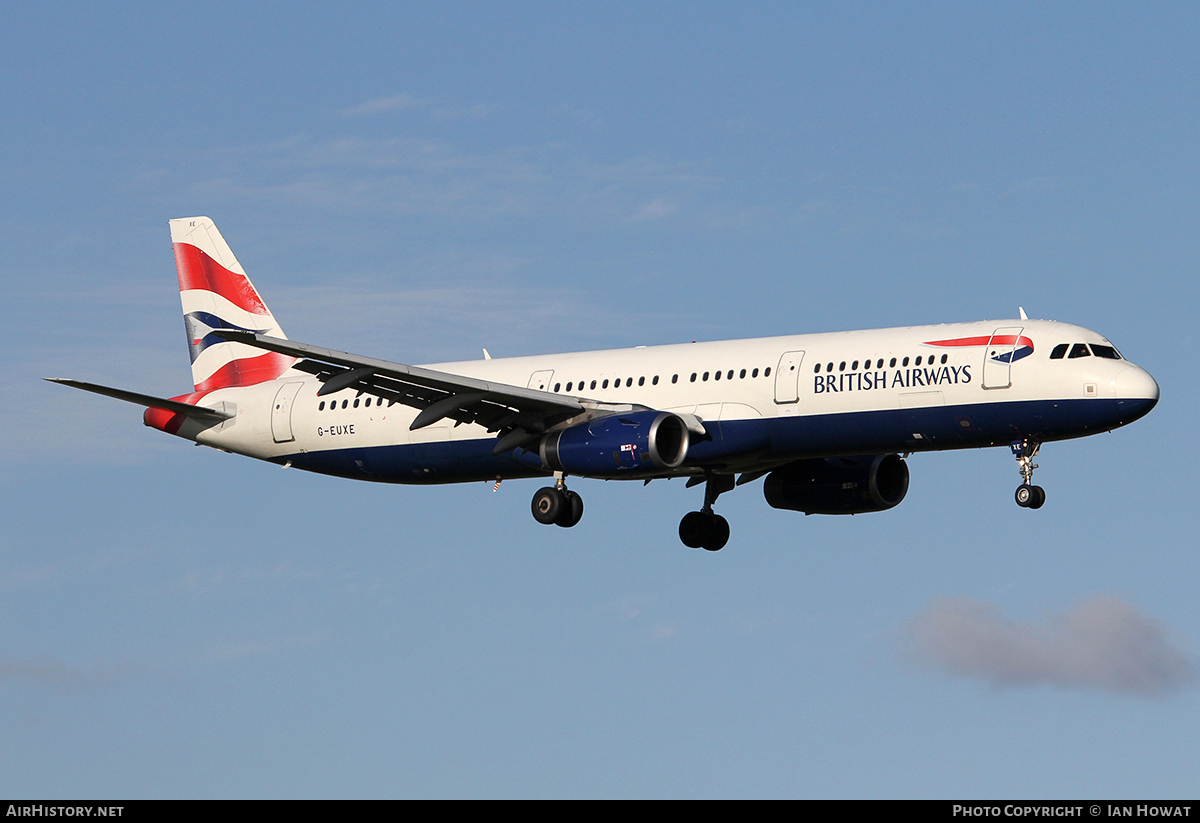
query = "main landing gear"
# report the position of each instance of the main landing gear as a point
(557, 504)
(1028, 495)
(706, 529)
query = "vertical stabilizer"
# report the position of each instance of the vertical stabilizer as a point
(217, 294)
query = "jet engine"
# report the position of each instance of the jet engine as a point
(839, 485)
(619, 445)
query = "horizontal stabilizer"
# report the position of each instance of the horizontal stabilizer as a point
(197, 412)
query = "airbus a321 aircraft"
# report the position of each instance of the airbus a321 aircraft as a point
(824, 417)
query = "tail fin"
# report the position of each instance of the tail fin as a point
(217, 294)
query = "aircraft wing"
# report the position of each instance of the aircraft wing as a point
(518, 414)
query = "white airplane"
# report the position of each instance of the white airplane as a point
(824, 417)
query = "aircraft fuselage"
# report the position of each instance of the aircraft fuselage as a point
(763, 402)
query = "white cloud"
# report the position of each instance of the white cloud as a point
(475, 112)
(396, 102)
(1032, 185)
(1102, 643)
(417, 175)
(46, 671)
(656, 209)
(663, 631)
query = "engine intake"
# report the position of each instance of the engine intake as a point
(618, 445)
(839, 485)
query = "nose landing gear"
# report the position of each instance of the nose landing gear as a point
(1028, 495)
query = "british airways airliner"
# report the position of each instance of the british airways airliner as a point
(825, 418)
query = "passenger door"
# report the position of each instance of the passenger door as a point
(281, 413)
(997, 357)
(787, 377)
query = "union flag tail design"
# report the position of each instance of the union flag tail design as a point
(217, 294)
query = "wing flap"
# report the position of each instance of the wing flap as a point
(498, 407)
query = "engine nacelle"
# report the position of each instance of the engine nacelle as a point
(619, 445)
(839, 485)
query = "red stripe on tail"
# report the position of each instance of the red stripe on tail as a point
(199, 271)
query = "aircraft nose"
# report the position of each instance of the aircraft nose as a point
(1136, 390)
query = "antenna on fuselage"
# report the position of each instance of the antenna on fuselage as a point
(1024, 316)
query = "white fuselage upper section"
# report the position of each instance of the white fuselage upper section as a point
(778, 377)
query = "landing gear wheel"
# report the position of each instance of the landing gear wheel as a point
(548, 505)
(572, 510)
(1030, 497)
(704, 530)
(691, 529)
(718, 533)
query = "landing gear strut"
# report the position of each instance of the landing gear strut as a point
(706, 529)
(557, 504)
(1028, 495)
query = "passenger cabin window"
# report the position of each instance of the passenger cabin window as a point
(1060, 351)
(1079, 350)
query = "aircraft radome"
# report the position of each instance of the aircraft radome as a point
(823, 417)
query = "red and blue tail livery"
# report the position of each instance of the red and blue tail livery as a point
(217, 294)
(822, 419)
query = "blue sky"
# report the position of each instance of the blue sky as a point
(416, 183)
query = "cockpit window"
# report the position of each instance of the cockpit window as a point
(1060, 351)
(1107, 352)
(1079, 350)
